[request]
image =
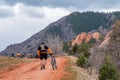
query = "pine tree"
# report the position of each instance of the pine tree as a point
(108, 70)
(75, 48)
(81, 60)
(65, 47)
(84, 48)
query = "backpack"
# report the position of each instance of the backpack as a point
(42, 47)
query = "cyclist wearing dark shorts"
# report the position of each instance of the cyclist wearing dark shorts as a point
(42, 52)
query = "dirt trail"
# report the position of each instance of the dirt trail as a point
(31, 71)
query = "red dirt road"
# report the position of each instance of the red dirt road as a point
(31, 71)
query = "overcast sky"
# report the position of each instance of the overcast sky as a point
(20, 19)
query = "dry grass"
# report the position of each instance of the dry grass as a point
(81, 73)
(8, 63)
(71, 74)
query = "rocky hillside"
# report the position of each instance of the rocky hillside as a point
(65, 29)
(85, 37)
(114, 45)
(110, 45)
(105, 42)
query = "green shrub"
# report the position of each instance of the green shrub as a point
(75, 48)
(65, 47)
(87, 54)
(108, 70)
(92, 40)
(84, 48)
(81, 60)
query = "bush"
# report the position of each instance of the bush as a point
(84, 48)
(108, 70)
(92, 40)
(65, 47)
(87, 54)
(81, 60)
(71, 52)
(75, 48)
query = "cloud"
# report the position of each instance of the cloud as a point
(30, 11)
(36, 8)
(25, 22)
(52, 3)
(20, 10)
(6, 12)
(80, 4)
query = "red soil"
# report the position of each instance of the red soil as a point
(31, 71)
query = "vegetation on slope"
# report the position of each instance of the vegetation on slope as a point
(87, 21)
(108, 70)
(54, 30)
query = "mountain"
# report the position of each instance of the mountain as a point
(65, 29)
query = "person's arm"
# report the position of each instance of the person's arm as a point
(50, 51)
(38, 53)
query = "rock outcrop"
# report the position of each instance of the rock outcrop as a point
(106, 41)
(85, 37)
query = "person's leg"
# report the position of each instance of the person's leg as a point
(53, 66)
(43, 58)
(41, 61)
(44, 62)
